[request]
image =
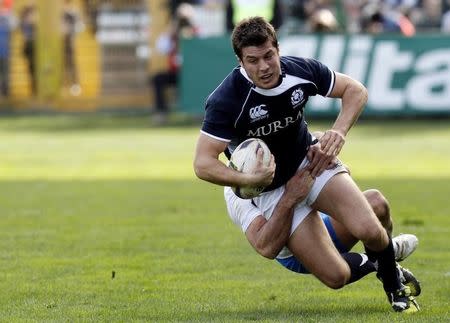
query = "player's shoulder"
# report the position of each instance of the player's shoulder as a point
(294, 64)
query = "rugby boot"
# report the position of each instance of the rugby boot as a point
(404, 245)
(401, 300)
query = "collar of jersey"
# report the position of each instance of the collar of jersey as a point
(287, 82)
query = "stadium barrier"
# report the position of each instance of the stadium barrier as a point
(404, 76)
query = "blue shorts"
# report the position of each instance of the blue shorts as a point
(293, 264)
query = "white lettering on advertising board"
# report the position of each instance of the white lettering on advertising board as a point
(397, 78)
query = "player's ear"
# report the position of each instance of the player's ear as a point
(239, 60)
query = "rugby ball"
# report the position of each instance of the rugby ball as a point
(244, 159)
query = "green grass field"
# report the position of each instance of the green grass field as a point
(83, 197)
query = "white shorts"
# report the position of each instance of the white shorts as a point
(242, 212)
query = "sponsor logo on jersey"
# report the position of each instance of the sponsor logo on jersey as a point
(274, 126)
(258, 113)
(297, 98)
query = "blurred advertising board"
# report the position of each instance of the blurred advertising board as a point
(404, 76)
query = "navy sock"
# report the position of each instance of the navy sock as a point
(371, 254)
(359, 264)
(386, 267)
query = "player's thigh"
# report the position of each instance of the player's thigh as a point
(311, 244)
(343, 235)
(343, 200)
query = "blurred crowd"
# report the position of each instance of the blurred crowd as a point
(372, 16)
(349, 16)
(25, 21)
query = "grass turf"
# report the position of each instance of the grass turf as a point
(83, 197)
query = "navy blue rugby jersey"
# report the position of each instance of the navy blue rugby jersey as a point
(237, 110)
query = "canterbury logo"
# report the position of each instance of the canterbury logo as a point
(258, 112)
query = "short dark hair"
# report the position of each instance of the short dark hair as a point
(253, 31)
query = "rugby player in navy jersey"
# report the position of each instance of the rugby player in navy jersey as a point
(265, 97)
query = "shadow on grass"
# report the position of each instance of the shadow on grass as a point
(91, 122)
(123, 120)
(192, 200)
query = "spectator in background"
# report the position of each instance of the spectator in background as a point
(7, 24)
(445, 22)
(91, 12)
(323, 20)
(374, 23)
(71, 26)
(352, 12)
(236, 10)
(312, 16)
(376, 20)
(174, 4)
(168, 44)
(28, 19)
(429, 15)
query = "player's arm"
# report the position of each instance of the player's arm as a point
(268, 237)
(208, 167)
(354, 97)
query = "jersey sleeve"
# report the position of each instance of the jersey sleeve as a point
(314, 71)
(217, 122)
(322, 76)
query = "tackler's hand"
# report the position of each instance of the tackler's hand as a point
(322, 154)
(298, 187)
(332, 142)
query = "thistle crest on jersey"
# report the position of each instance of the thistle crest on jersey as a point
(296, 98)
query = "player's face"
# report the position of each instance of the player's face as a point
(262, 64)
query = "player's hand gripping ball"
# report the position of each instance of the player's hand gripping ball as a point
(245, 159)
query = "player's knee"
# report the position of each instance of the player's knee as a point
(336, 279)
(378, 203)
(336, 283)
